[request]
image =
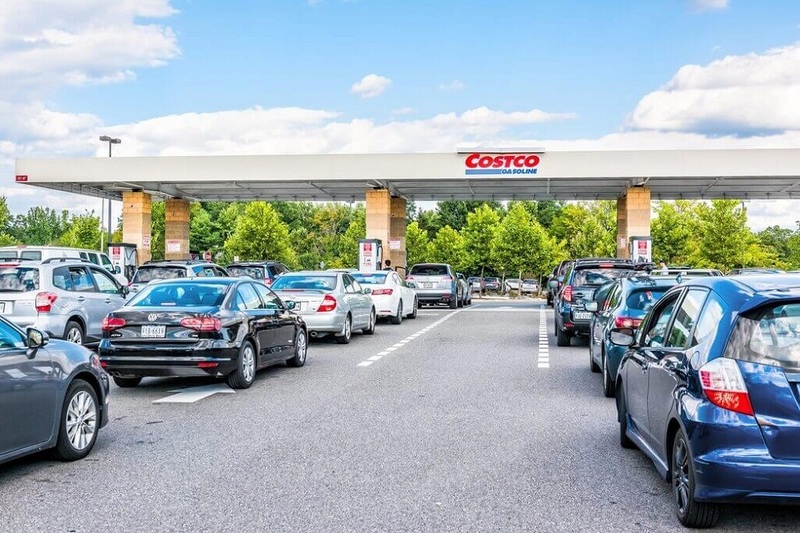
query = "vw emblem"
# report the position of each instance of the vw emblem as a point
(152, 317)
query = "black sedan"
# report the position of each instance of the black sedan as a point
(221, 327)
(53, 394)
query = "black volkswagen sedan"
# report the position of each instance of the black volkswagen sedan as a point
(53, 395)
(222, 327)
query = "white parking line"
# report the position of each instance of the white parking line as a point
(194, 394)
(543, 359)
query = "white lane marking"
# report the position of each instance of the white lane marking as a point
(194, 394)
(400, 344)
(499, 309)
(543, 358)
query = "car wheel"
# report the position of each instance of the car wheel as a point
(454, 304)
(397, 319)
(592, 365)
(300, 349)
(373, 318)
(344, 338)
(608, 385)
(563, 338)
(125, 383)
(245, 372)
(414, 312)
(691, 513)
(80, 422)
(622, 413)
(73, 332)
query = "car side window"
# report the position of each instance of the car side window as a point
(106, 262)
(686, 318)
(62, 279)
(218, 272)
(94, 259)
(247, 298)
(357, 287)
(10, 337)
(654, 336)
(270, 299)
(348, 284)
(105, 283)
(709, 321)
(81, 280)
(613, 298)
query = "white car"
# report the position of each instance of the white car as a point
(392, 297)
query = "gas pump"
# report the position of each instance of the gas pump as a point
(123, 257)
(642, 249)
(370, 255)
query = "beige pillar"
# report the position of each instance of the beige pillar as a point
(137, 208)
(633, 218)
(386, 220)
(397, 234)
(176, 229)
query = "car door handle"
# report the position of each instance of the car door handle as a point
(107, 300)
(81, 299)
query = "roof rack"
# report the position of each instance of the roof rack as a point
(64, 260)
(176, 261)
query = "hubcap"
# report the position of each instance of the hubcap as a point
(301, 347)
(248, 364)
(680, 475)
(74, 335)
(81, 420)
(347, 328)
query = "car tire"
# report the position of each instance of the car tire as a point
(245, 372)
(373, 319)
(414, 312)
(399, 317)
(73, 332)
(594, 367)
(608, 385)
(300, 349)
(454, 304)
(344, 338)
(126, 383)
(691, 513)
(80, 422)
(563, 338)
(622, 413)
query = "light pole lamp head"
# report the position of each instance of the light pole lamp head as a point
(112, 140)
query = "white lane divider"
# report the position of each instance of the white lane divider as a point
(543, 360)
(401, 343)
(195, 394)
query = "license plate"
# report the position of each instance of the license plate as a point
(582, 315)
(2, 307)
(427, 285)
(154, 331)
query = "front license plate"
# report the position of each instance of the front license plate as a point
(154, 331)
(582, 315)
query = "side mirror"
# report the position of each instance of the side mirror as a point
(591, 306)
(124, 290)
(622, 337)
(35, 340)
(367, 290)
(560, 279)
(117, 270)
(411, 285)
(290, 305)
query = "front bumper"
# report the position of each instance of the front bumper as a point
(214, 358)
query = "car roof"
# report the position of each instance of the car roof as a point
(254, 263)
(329, 273)
(748, 292)
(200, 279)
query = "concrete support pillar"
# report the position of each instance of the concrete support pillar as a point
(137, 209)
(386, 220)
(176, 229)
(633, 218)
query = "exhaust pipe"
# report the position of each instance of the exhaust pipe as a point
(313, 334)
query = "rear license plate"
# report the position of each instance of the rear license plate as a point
(154, 331)
(582, 315)
(427, 285)
(2, 307)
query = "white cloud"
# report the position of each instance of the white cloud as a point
(455, 85)
(748, 94)
(370, 86)
(709, 5)
(403, 111)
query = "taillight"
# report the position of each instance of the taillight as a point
(724, 386)
(111, 323)
(381, 292)
(447, 278)
(409, 278)
(203, 323)
(328, 304)
(627, 322)
(267, 282)
(44, 301)
(567, 293)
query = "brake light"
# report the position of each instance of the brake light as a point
(207, 364)
(447, 278)
(724, 386)
(44, 301)
(567, 294)
(267, 282)
(627, 322)
(380, 292)
(202, 323)
(111, 323)
(328, 304)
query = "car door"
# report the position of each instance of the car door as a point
(28, 393)
(651, 341)
(283, 323)
(603, 320)
(260, 322)
(88, 299)
(107, 297)
(364, 302)
(668, 371)
(406, 293)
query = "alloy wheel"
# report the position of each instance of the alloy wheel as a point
(74, 335)
(248, 363)
(302, 347)
(680, 475)
(81, 421)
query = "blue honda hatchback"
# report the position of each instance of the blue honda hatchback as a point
(709, 389)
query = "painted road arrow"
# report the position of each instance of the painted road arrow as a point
(194, 394)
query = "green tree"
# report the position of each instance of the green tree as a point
(84, 232)
(6, 224)
(157, 224)
(522, 245)
(41, 225)
(447, 247)
(261, 234)
(725, 240)
(675, 231)
(417, 242)
(775, 240)
(348, 245)
(587, 229)
(479, 234)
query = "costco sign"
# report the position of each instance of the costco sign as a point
(478, 163)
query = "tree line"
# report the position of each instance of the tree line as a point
(518, 238)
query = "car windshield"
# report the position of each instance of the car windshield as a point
(429, 270)
(305, 282)
(180, 295)
(19, 279)
(370, 278)
(149, 273)
(596, 276)
(255, 272)
(643, 299)
(769, 336)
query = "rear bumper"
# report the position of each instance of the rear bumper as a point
(53, 325)
(435, 296)
(329, 322)
(732, 477)
(130, 360)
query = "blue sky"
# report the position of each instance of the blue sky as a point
(300, 76)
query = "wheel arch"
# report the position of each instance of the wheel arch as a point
(672, 430)
(90, 378)
(81, 322)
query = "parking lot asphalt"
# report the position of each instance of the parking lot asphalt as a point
(461, 421)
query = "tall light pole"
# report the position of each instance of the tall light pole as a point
(110, 141)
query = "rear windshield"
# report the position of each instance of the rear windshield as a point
(310, 282)
(769, 336)
(8, 255)
(429, 270)
(180, 295)
(372, 278)
(255, 272)
(492, 280)
(644, 299)
(30, 254)
(19, 279)
(149, 273)
(597, 276)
